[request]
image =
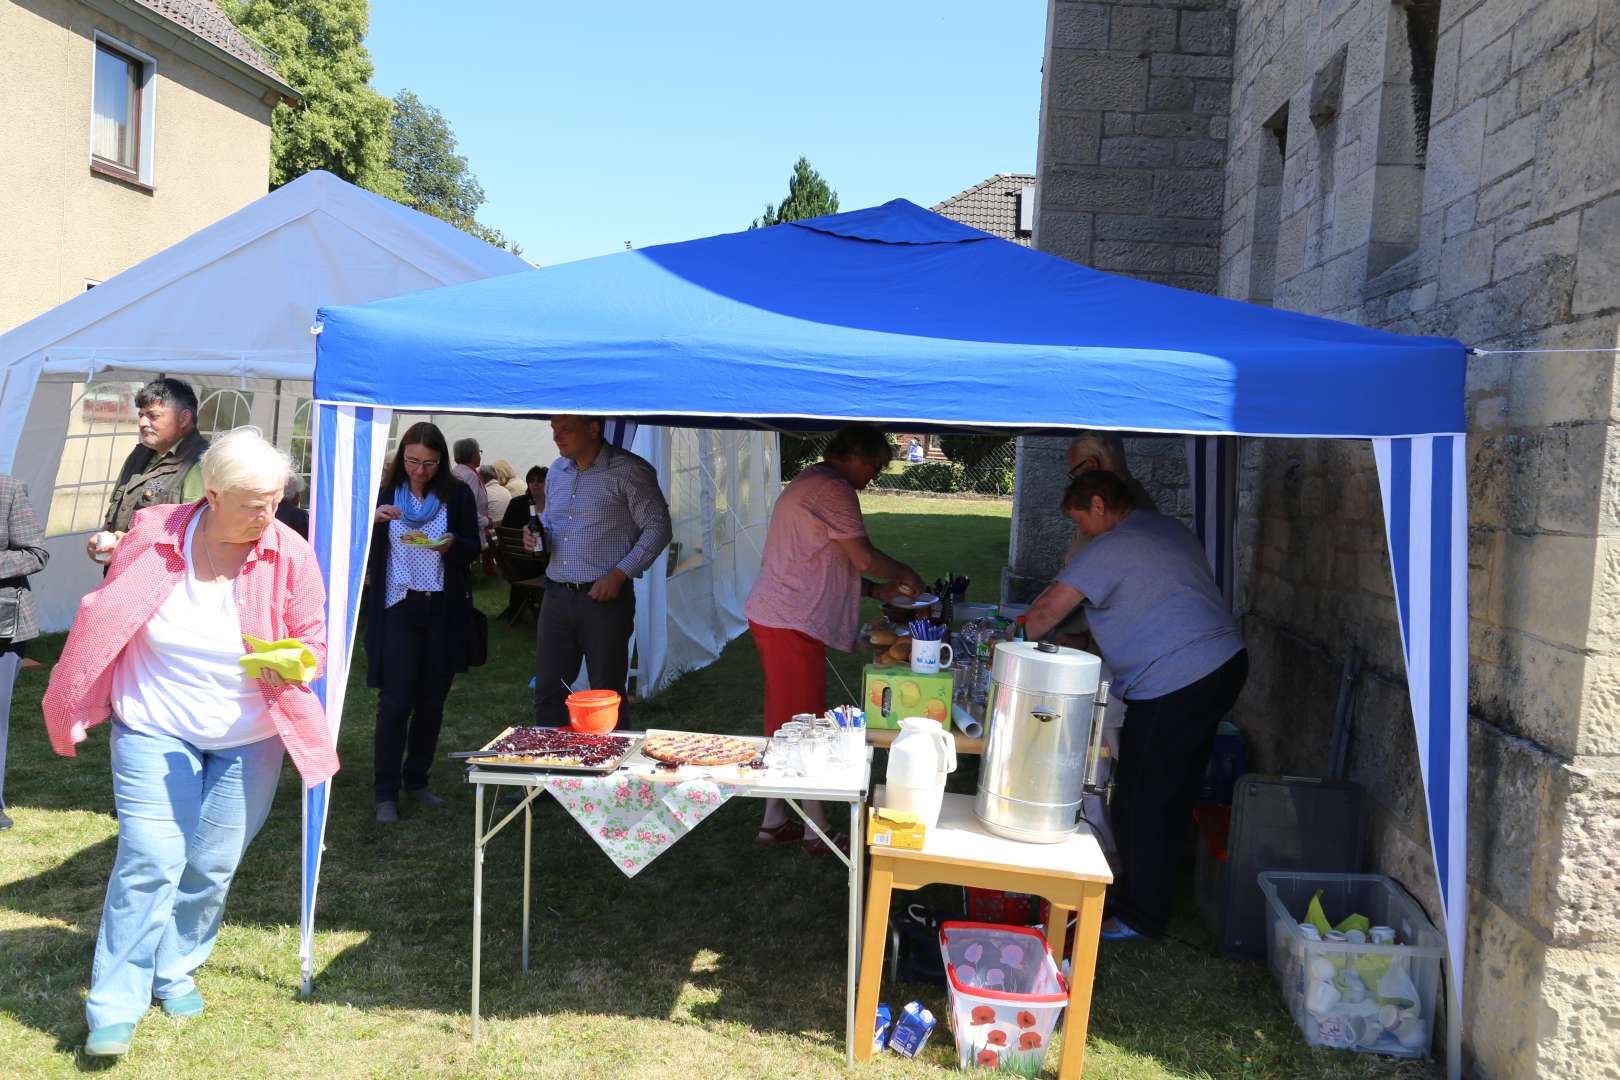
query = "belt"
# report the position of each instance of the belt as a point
(575, 586)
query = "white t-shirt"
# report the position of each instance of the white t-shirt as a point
(179, 676)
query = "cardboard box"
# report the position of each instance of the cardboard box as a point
(890, 694)
(894, 829)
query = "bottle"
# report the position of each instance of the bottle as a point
(1018, 629)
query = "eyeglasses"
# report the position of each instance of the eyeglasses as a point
(418, 463)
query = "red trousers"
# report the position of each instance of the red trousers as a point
(795, 673)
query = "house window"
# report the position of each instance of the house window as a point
(121, 113)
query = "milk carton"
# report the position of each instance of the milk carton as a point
(911, 1030)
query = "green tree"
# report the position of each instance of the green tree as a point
(808, 196)
(437, 180)
(343, 124)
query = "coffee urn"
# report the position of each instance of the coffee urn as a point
(1044, 723)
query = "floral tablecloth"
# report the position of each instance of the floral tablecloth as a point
(636, 820)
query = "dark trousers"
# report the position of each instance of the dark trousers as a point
(573, 627)
(415, 681)
(1164, 747)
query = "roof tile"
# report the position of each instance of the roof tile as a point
(205, 19)
(991, 206)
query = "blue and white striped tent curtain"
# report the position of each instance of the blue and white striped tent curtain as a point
(1212, 467)
(349, 447)
(1424, 484)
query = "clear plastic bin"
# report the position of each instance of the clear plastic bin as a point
(1373, 998)
(1006, 995)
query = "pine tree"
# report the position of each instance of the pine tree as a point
(808, 196)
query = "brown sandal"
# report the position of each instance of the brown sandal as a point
(788, 832)
(813, 844)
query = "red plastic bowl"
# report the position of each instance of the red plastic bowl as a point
(593, 711)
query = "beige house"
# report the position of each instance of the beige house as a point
(130, 125)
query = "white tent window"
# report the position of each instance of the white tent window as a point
(100, 431)
(219, 411)
(691, 507)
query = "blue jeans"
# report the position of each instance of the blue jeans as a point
(185, 817)
(9, 662)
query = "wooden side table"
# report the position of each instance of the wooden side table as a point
(1072, 875)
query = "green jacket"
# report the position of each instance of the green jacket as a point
(149, 479)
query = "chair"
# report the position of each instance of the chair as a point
(525, 570)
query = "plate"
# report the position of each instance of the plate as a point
(921, 600)
(487, 757)
(421, 542)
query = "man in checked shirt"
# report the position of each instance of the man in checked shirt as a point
(605, 522)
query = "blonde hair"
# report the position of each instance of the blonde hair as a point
(503, 471)
(244, 460)
(1107, 447)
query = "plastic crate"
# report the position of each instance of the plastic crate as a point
(1006, 995)
(1372, 998)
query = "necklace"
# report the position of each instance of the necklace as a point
(202, 535)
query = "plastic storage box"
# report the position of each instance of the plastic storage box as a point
(1375, 998)
(1006, 995)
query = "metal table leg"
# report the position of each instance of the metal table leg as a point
(856, 848)
(528, 848)
(478, 902)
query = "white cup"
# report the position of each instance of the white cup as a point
(926, 658)
(105, 541)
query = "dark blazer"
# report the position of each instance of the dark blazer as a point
(462, 517)
(22, 552)
(519, 512)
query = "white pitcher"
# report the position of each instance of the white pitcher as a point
(918, 760)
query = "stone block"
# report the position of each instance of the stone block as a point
(1172, 125)
(1502, 977)
(1597, 264)
(1211, 96)
(1487, 22)
(1155, 230)
(1080, 26)
(1579, 904)
(1171, 95)
(1599, 731)
(1206, 32)
(1327, 89)
(1290, 245)
(1101, 189)
(1195, 194)
(1446, 61)
(1071, 138)
(1571, 478)
(1465, 263)
(1460, 215)
(1196, 261)
(1502, 107)
(1119, 123)
(1353, 216)
(1529, 688)
(1064, 234)
(1510, 792)
(1121, 256)
(1508, 149)
(1485, 71)
(1509, 193)
(1397, 203)
(1137, 152)
(1531, 247)
(1454, 160)
(1554, 22)
(1097, 80)
(1550, 592)
(1573, 166)
(1141, 29)
(1200, 153)
(1557, 388)
(1579, 1011)
(1192, 67)
(1556, 70)
(1607, 50)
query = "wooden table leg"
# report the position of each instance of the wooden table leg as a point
(1057, 930)
(873, 940)
(1078, 1014)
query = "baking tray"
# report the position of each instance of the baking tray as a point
(518, 763)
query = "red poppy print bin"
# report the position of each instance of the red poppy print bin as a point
(1006, 995)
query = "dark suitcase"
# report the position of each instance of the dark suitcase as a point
(1278, 823)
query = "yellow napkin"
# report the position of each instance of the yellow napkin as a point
(289, 658)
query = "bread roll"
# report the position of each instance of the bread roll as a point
(882, 635)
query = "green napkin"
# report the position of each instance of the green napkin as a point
(289, 658)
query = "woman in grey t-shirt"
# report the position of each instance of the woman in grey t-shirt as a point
(1178, 661)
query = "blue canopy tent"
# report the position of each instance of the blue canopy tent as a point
(896, 316)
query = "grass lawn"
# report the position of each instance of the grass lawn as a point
(721, 959)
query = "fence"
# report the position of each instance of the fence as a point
(981, 465)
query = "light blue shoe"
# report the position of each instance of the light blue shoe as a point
(185, 1005)
(110, 1041)
(1119, 931)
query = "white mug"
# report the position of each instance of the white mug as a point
(926, 658)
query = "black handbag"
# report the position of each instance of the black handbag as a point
(477, 639)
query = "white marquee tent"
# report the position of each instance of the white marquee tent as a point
(230, 308)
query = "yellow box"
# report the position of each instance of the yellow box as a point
(894, 829)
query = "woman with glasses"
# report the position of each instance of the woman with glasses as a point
(424, 537)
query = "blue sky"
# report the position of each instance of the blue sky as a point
(592, 124)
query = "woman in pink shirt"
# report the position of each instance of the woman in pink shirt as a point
(808, 595)
(196, 742)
